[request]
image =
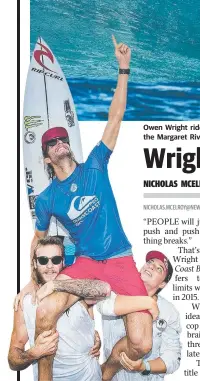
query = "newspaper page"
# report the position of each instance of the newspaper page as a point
(154, 169)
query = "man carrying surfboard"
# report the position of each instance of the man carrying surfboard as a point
(81, 198)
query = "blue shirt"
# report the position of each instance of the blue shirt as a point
(85, 205)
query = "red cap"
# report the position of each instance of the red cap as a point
(52, 133)
(158, 255)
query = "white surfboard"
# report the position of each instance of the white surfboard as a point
(47, 103)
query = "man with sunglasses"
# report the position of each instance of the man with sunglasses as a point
(56, 145)
(81, 198)
(75, 343)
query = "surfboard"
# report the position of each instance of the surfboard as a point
(47, 103)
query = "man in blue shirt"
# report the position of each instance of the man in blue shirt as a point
(82, 202)
(81, 198)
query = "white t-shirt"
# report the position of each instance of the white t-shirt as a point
(76, 338)
(166, 338)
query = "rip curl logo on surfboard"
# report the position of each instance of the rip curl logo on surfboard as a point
(38, 55)
(47, 53)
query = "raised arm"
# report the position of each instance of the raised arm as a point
(18, 357)
(118, 105)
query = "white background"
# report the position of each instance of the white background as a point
(8, 158)
(125, 172)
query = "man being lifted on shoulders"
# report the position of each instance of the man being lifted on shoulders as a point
(81, 198)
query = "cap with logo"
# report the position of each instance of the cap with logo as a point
(53, 133)
(158, 255)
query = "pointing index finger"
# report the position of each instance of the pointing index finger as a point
(114, 41)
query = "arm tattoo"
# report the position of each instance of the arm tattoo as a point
(84, 288)
(19, 359)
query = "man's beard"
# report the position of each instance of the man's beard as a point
(40, 278)
(65, 155)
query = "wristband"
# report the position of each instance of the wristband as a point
(147, 370)
(124, 71)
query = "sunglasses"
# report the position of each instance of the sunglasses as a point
(56, 260)
(53, 142)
